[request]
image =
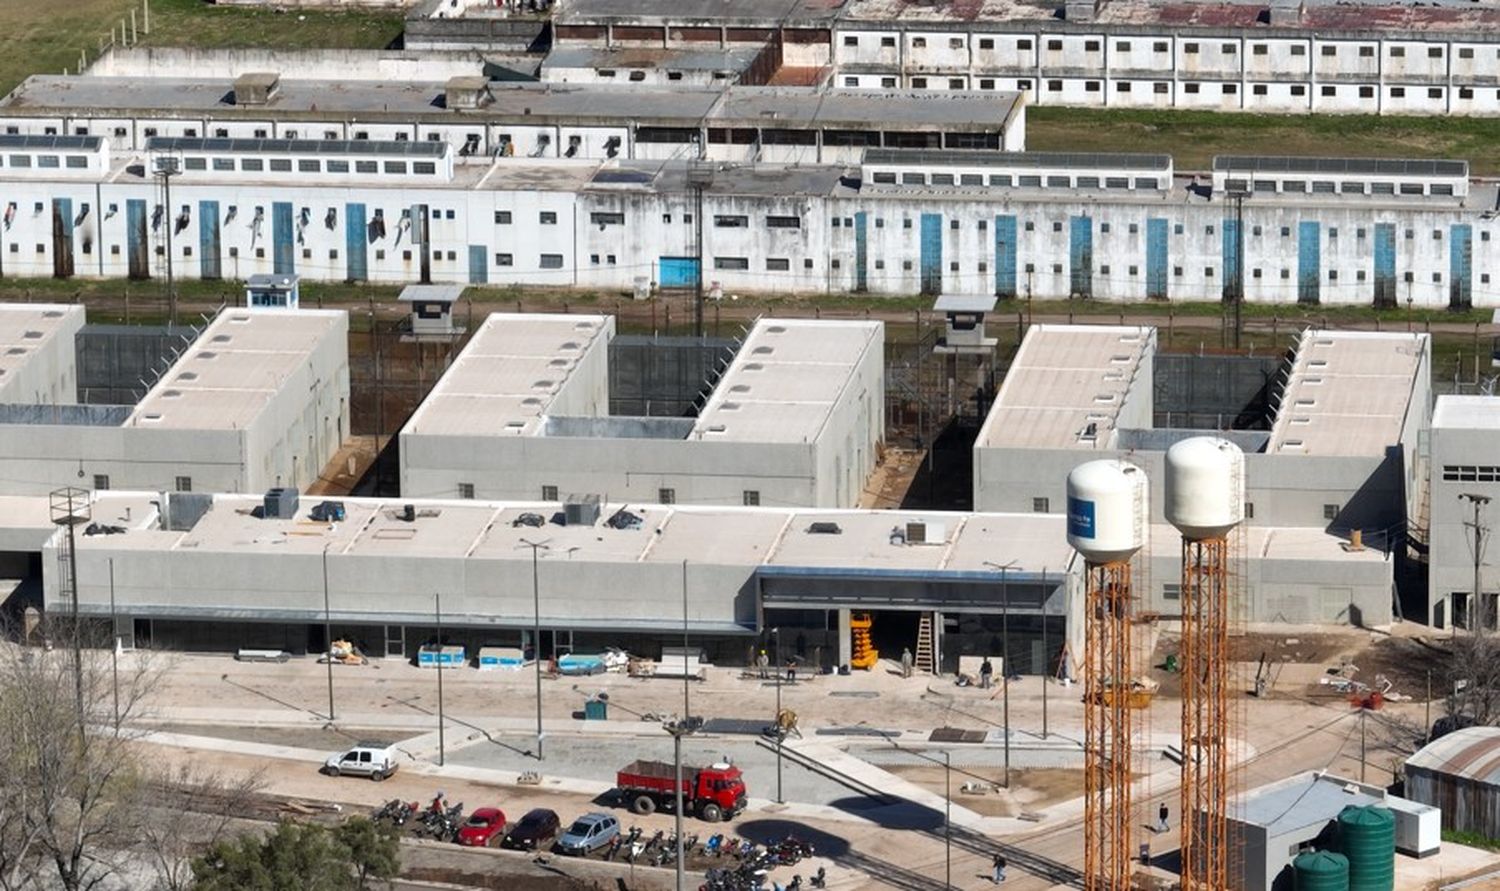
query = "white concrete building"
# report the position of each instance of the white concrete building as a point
(523, 413)
(38, 364)
(223, 577)
(260, 399)
(1114, 228)
(1339, 454)
(1320, 57)
(1464, 462)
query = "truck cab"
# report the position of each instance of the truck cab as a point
(721, 786)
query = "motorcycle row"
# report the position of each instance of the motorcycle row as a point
(435, 820)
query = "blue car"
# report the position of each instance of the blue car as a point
(589, 833)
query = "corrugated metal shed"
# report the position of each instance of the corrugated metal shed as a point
(1460, 775)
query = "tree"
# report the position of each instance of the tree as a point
(294, 857)
(374, 849)
(193, 810)
(1473, 678)
(69, 778)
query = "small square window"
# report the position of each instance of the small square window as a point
(666, 496)
(548, 218)
(502, 218)
(466, 491)
(184, 484)
(549, 493)
(1040, 506)
(1330, 511)
(101, 481)
(750, 497)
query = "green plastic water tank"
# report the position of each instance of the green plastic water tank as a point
(1367, 836)
(1321, 871)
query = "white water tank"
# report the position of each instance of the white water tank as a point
(1108, 510)
(1205, 487)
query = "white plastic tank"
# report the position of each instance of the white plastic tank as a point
(1205, 487)
(1108, 510)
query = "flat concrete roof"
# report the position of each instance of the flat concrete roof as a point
(683, 106)
(24, 329)
(1310, 543)
(1064, 379)
(1307, 799)
(726, 536)
(1348, 393)
(785, 379)
(624, 58)
(508, 375)
(710, 12)
(1467, 413)
(235, 367)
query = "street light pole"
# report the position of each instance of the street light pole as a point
(780, 735)
(1046, 654)
(1477, 612)
(114, 651)
(947, 820)
(327, 632)
(437, 611)
(536, 636)
(1005, 657)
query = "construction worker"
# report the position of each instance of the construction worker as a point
(762, 662)
(1161, 818)
(906, 662)
(986, 671)
(999, 865)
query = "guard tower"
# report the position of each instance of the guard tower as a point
(964, 334)
(272, 291)
(432, 312)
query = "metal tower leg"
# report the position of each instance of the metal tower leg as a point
(1108, 670)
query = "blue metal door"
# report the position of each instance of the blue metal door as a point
(1005, 256)
(208, 240)
(932, 253)
(1080, 256)
(356, 268)
(1309, 261)
(1230, 254)
(1385, 264)
(62, 238)
(283, 252)
(479, 270)
(677, 272)
(136, 245)
(861, 253)
(1460, 266)
(1156, 259)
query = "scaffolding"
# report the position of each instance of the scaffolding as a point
(1109, 711)
(1204, 660)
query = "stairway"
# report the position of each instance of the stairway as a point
(924, 660)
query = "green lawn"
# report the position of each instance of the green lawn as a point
(1194, 137)
(45, 38)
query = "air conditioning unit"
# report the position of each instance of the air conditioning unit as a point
(923, 532)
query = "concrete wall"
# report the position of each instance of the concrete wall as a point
(845, 447)
(304, 423)
(317, 64)
(50, 375)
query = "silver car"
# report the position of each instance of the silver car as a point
(589, 833)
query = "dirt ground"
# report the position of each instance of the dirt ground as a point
(892, 479)
(1030, 789)
(329, 738)
(347, 466)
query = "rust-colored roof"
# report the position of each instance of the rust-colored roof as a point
(1472, 753)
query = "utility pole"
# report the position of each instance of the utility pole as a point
(1005, 657)
(700, 175)
(437, 612)
(1362, 712)
(1238, 193)
(327, 632)
(1478, 613)
(780, 734)
(168, 166)
(114, 652)
(1046, 654)
(536, 635)
(947, 819)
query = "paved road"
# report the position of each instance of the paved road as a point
(597, 758)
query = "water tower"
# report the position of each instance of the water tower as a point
(1205, 500)
(1108, 515)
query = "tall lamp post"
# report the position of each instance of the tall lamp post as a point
(437, 613)
(1478, 614)
(1005, 656)
(686, 725)
(327, 631)
(536, 634)
(776, 724)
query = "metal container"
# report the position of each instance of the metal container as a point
(1320, 871)
(1205, 487)
(1367, 836)
(1108, 510)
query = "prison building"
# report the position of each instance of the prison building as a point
(229, 574)
(256, 400)
(911, 221)
(518, 120)
(794, 419)
(38, 362)
(1464, 470)
(1289, 57)
(1330, 430)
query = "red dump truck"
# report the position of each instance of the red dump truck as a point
(714, 793)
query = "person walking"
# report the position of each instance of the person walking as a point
(1161, 818)
(999, 868)
(762, 662)
(986, 671)
(906, 662)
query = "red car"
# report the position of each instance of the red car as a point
(484, 827)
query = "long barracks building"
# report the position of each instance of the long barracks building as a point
(1109, 227)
